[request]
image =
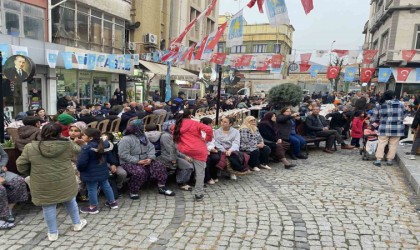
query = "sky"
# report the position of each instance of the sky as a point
(330, 20)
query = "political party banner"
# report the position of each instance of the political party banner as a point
(303, 67)
(19, 50)
(218, 58)
(340, 52)
(418, 74)
(91, 61)
(120, 61)
(235, 30)
(277, 12)
(276, 61)
(350, 74)
(127, 62)
(408, 55)
(366, 74)
(4, 49)
(68, 59)
(384, 74)
(315, 69)
(368, 56)
(80, 58)
(403, 74)
(52, 57)
(200, 48)
(110, 62)
(218, 34)
(101, 60)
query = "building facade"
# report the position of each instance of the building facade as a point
(393, 26)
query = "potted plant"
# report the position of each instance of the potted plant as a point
(8, 144)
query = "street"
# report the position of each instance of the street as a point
(329, 201)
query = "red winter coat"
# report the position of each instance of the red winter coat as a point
(357, 128)
(191, 142)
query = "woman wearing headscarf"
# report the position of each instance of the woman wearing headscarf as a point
(390, 114)
(253, 144)
(267, 128)
(137, 157)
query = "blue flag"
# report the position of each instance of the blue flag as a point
(384, 74)
(4, 48)
(350, 74)
(91, 61)
(155, 56)
(418, 74)
(315, 69)
(68, 59)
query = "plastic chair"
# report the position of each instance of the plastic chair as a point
(115, 125)
(103, 125)
(92, 125)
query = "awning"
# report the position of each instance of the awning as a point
(161, 69)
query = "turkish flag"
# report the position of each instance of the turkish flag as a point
(188, 54)
(304, 67)
(243, 61)
(332, 72)
(408, 55)
(200, 49)
(304, 58)
(366, 74)
(218, 58)
(262, 63)
(217, 37)
(259, 3)
(308, 5)
(211, 7)
(368, 56)
(341, 52)
(403, 74)
(276, 61)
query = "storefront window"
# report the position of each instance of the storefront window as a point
(33, 28)
(66, 82)
(85, 88)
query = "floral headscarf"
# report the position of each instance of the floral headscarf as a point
(136, 128)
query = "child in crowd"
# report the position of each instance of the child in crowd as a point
(92, 164)
(372, 141)
(153, 135)
(357, 128)
(75, 134)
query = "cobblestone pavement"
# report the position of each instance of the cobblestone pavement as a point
(328, 202)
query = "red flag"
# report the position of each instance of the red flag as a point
(304, 67)
(243, 61)
(259, 3)
(366, 74)
(200, 49)
(408, 55)
(217, 37)
(333, 72)
(308, 5)
(341, 52)
(304, 58)
(210, 7)
(403, 74)
(218, 58)
(262, 63)
(171, 54)
(188, 54)
(276, 61)
(368, 56)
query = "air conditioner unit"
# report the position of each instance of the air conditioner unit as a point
(131, 46)
(150, 38)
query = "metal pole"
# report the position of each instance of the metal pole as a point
(219, 86)
(1, 100)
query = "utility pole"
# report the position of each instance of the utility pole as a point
(1, 100)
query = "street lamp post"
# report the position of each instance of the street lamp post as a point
(332, 44)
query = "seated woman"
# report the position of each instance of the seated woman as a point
(40, 112)
(267, 128)
(12, 190)
(227, 141)
(253, 144)
(171, 157)
(137, 157)
(287, 131)
(213, 157)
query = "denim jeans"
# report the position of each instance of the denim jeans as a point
(92, 187)
(297, 142)
(50, 214)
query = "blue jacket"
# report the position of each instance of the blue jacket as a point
(88, 165)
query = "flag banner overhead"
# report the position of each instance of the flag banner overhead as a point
(308, 6)
(305, 58)
(366, 74)
(315, 69)
(276, 61)
(277, 12)
(218, 58)
(303, 67)
(403, 74)
(19, 50)
(350, 74)
(235, 30)
(68, 59)
(259, 3)
(384, 74)
(408, 55)
(353, 56)
(262, 62)
(368, 56)
(321, 53)
(340, 52)
(52, 56)
(243, 61)
(332, 72)
(217, 36)
(200, 48)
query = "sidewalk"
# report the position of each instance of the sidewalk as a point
(411, 168)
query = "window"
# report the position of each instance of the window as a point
(277, 48)
(238, 49)
(259, 48)
(384, 43)
(220, 48)
(417, 36)
(12, 24)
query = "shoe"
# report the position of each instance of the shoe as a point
(329, 151)
(79, 227)
(112, 205)
(10, 219)
(389, 162)
(293, 157)
(216, 180)
(233, 177)
(265, 167)
(412, 157)
(185, 187)
(52, 237)
(301, 156)
(256, 169)
(346, 146)
(211, 182)
(377, 163)
(165, 191)
(89, 210)
(6, 225)
(199, 197)
(134, 196)
(289, 166)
